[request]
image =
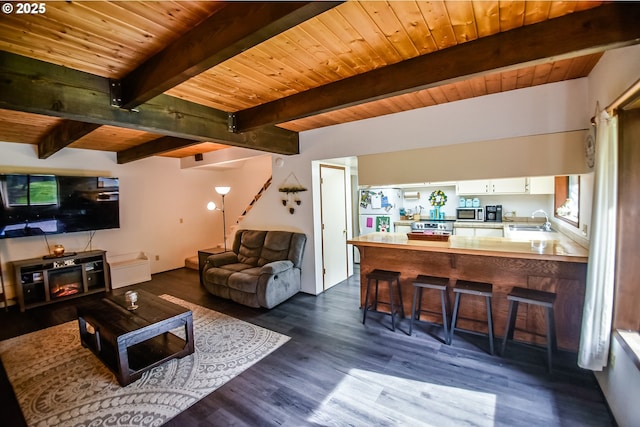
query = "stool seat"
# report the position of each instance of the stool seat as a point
(393, 279)
(474, 288)
(383, 274)
(430, 282)
(533, 297)
(482, 289)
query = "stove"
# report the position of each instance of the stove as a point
(442, 226)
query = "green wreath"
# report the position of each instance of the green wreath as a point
(438, 198)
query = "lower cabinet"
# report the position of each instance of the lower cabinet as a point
(479, 232)
(46, 280)
(402, 229)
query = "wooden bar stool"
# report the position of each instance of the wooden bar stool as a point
(430, 282)
(533, 297)
(473, 288)
(393, 278)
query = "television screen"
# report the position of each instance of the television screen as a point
(36, 204)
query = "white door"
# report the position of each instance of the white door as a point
(333, 208)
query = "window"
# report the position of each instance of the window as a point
(567, 199)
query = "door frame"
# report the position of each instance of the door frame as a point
(346, 221)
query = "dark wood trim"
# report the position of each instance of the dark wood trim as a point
(235, 28)
(62, 135)
(627, 295)
(33, 86)
(592, 31)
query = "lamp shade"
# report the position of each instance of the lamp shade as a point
(223, 190)
(211, 206)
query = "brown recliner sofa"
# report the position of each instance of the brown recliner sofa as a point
(262, 270)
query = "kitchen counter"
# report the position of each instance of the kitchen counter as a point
(561, 249)
(558, 265)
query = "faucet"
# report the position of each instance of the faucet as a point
(547, 225)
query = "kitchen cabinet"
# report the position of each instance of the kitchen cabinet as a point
(465, 231)
(402, 229)
(541, 185)
(489, 232)
(478, 231)
(492, 186)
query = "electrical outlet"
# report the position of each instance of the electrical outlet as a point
(584, 229)
(157, 257)
(181, 221)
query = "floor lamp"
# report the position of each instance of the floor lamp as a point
(223, 191)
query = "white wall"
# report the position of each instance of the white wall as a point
(154, 195)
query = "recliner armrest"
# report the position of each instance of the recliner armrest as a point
(276, 267)
(224, 258)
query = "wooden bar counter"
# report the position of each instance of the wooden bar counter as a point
(556, 265)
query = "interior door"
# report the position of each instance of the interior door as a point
(333, 194)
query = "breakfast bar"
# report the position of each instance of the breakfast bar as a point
(555, 264)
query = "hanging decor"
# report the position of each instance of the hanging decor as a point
(437, 199)
(291, 187)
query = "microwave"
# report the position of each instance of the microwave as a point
(470, 214)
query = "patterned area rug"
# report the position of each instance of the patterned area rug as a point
(60, 383)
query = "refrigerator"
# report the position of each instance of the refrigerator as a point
(378, 209)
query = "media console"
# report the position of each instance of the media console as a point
(41, 281)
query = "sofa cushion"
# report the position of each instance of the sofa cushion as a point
(220, 275)
(251, 243)
(276, 247)
(245, 281)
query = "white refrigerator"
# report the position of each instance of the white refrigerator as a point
(379, 208)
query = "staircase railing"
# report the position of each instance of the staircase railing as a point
(255, 199)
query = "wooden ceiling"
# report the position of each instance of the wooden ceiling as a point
(177, 78)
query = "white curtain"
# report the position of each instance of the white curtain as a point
(597, 316)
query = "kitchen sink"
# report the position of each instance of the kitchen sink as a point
(514, 227)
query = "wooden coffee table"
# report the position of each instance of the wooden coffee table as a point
(132, 342)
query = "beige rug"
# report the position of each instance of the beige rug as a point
(60, 383)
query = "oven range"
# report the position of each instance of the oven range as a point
(439, 227)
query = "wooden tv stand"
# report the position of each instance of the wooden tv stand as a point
(46, 280)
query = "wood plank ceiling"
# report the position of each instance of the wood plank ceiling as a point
(190, 73)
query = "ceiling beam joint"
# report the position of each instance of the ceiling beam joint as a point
(232, 122)
(115, 93)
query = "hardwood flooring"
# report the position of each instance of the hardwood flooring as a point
(335, 371)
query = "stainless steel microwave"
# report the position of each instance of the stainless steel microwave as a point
(470, 214)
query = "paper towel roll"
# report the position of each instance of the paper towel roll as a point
(411, 195)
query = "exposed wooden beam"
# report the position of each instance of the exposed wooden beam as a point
(153, 148)
(235, 28)
(39, 87)
(63, 135)
(591, 31)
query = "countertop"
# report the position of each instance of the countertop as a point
(556, 248)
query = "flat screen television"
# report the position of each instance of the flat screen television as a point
(38, 204)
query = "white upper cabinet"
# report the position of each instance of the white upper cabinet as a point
(478, 186)
(493, 186)
(541, 185)
(509, 186)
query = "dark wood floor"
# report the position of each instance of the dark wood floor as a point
(337, 372)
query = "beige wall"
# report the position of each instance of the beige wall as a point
(539, 155)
